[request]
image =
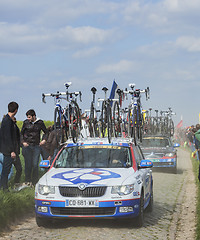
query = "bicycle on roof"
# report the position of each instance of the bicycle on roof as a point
(135, 115)
(119, 116)
(106, 116)
(94, 128)
(67, 120)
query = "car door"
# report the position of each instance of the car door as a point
(145, 173)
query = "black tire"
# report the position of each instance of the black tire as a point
(116, 120)
(103, 119)
(58, 126)
(150, 205)
(75, 122)
(109, 123)
(174, 170)
(171, 128)
(91, 121)
(140, 218)
(42, 222)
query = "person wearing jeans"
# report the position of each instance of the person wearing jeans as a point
(10, 141)
(31, 144)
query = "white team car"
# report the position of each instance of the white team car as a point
(95, 179)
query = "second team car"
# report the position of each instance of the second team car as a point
(95, 179)
(161, 151)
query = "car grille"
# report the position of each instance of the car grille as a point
(87, 192)
(160, 164)
(158, 155)
(83, 211)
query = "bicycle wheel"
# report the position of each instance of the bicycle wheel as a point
(58, 126)
(75, 121)
(131, 123)
(109, 122)
(138, 118)
(171, 128)
(116, 119)
(92, 121)
(103, 119)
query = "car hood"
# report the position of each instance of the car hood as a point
(90, 176)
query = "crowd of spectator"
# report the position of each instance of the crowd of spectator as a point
(29, 139)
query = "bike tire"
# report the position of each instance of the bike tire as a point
(91, 121)
(75, 121)
(116, 120)
(58, 125)
(131, 124)
(103, 119)
(109, 122)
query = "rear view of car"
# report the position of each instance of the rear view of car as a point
(161, 151)
(95, 179)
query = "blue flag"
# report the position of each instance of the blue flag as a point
(113, 92)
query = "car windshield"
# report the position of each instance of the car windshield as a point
(155, 142)
(94, 156)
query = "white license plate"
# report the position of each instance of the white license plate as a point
(82, 203)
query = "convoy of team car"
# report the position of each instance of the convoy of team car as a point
(104, 174)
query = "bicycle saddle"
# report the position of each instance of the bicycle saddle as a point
(132, 85)
(67, 84)
(105, 89)
(93, 89)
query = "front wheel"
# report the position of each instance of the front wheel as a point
(42, 222)
(140, 218)
(116, 119)
(58, 125)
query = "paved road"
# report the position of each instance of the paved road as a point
(160, 224)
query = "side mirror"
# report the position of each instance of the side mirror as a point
(176, 145)
(145, 164)
(45, 164)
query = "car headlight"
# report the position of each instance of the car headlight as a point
(45, 189)
(169, 154)
(122, 190)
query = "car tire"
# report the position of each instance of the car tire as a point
(150, 205)
(174, 170)
(42, 222)
(140, 218)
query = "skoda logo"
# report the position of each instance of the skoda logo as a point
(82, 186)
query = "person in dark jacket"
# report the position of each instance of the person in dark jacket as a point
(9, 143)
(52, 146)
(31, 143)
(17, 161)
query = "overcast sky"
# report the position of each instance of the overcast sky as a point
(154, 43)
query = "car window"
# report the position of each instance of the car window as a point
(94, 156)
(156, 142)
(138, 155)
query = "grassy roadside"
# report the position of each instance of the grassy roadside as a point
(195, 164)
(17, 204)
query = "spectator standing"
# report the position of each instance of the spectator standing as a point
(31, 143)
(52, 146)
(17, 161)
(197, 140)
(10, 141)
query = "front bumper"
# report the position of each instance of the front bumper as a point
(106, 209)
(164, 162)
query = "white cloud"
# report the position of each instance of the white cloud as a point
(90, 52)
(121, 66)
(25, 39)
(182, 5)
(191, 44)
(7, 80)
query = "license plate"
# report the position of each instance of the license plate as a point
(155, 160)
(82, 203)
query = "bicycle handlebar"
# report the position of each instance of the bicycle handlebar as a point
(51, 95)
